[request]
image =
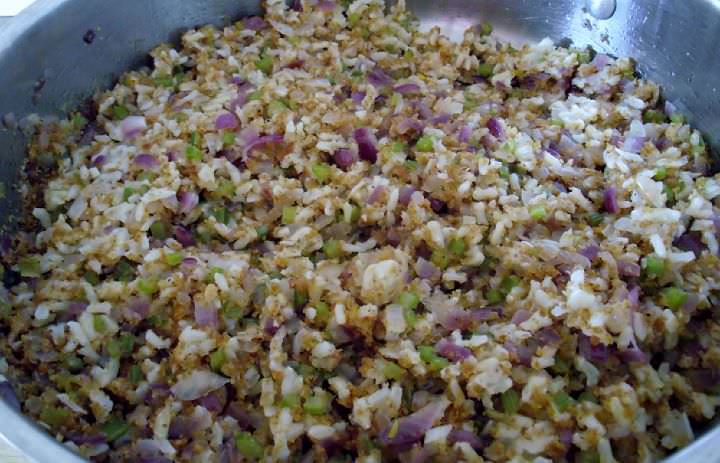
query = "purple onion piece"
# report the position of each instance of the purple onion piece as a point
(405, 195)
(438, 205)
(255, 23)
(184, 236)
(633, 355)
(407, 89)
(132, 126)
(378, 78)
(548, 336)
(425, 269)
(463, 435)
(226, 121)
(690, 241)
(496, 129)
(412, 428)
(409, 124)
(440, 119)
(598, 353)
(610, 200)
(263, 141)
(367, 145)
(452, 351)
(590, 252)
(74, 309)
(327, 6)
(376, 194)
(146, 161)
(634, 144)
(188, 200)
(344, 158)
(628, 269)
(520, 316)
(357, 97)
(206, 316)
(139, 307)
(464, 134)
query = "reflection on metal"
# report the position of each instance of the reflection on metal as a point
(601, 9)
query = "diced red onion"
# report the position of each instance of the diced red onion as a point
(464, 134)
(520, 316)
(408, 124)
(452, 351)
(523, 354)
(326, 5)
(610, 200)
(214, 401)
(182, 426)
(597, 353)
(662, 143)
(146, 161)
(188, 200)
(76, 308)
(172, 156)
(496, 129)
(633, 355)
(548, 336)
(206, 316)
(633, 297)
(405, 195)
(198, 384)
(440, 119)
(226, 121)
(482, 315)
(634, 144)
(424, 110)
(7, 393)
(412, 428)
(367, 144)
(263, 141)
(139, 307)
(566, 436)
(690, 241)
(190, 261)
(357, 97)
(296, 6)
(255, 23)
(132, 126)
(344, 158)
(628, 269)
(376, 194)
(378, 78)
(425, 269)
(463, 435)
(591, 252)
(438, 205)
(407, 89)
(184, 236)
(98, 161)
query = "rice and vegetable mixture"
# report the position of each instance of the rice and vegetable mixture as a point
(326, 236)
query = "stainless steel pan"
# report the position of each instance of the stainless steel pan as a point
(47, 68)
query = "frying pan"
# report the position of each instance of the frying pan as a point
(48, 65)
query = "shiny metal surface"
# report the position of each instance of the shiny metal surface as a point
(674, 42)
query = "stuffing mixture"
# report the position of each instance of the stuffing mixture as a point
(323, 235)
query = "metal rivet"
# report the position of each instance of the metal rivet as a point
(601, 9)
